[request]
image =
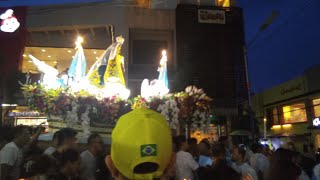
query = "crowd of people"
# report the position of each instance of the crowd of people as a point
(142, 147)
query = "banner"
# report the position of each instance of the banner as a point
(211, 16)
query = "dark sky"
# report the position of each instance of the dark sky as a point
(290, 44)
(281, 52)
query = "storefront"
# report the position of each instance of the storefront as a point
(22, 115)
(291, 110)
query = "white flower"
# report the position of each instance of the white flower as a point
(203, 96)
(188, 89)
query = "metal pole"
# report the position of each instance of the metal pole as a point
(247, 73)
(248, 91)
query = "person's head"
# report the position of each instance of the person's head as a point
(21, 135)
(266, 150)
(5, 135)
(218, 151)
(296, 157)
(238, 153)
(95, 143)
(181, 143)
(193, 141)
(257, 148)
(224, 140)
(204, 148)
(36, 165)
(141, 146)
(70, 162)
(55, 139)
(282, 166)
(291, 146)
(67, 138)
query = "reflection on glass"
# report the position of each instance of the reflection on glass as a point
(294, 113)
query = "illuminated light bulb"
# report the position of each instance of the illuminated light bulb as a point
(29, 61)
(94, 52)
(43, 50)
(69, 51)
(24, 55)
(49, 56)
(55, 62)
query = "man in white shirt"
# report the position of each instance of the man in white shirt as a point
(185, 164)
(240, 166)
(50, 150)
(11, 155)
(259, 161)
(88, 165)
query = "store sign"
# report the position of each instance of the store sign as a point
(9, 22)
(293, 88)
(24, 114)
(211, 16)
(316, 122)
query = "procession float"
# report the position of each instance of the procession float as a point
(92, 102)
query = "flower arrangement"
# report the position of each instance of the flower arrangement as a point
(190, 107)
(195, 107)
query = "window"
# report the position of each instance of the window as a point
(275, 116)
(146, 46)
(316, 107)
(148, 51)
(294, 113)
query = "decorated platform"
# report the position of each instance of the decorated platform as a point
(93, 102)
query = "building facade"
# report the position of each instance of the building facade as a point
(292, 109)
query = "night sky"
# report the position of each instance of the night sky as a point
(283, 51)
(288, 46)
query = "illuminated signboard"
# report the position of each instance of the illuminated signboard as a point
(9, 22)
(316, 122)
(24, 114)
(211, 16)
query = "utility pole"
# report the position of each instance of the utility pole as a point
(262, 28)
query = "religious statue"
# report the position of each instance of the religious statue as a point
(109, 67)
(107, 72)
(157, 87)
(77, 69)
(163, 73)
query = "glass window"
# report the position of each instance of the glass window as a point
(316, 107)
(294, 113)
(275, 116)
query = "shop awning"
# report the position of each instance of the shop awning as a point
(240, 133)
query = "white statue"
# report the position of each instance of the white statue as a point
(50, 77)
(86, 121)
(157, 87)
(72, 116)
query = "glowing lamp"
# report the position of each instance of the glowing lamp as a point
(276, 126)
(286, 125)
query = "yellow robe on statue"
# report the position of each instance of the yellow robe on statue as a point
(114, 72)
